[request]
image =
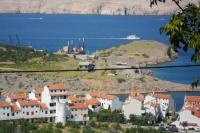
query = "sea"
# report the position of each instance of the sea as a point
(52, 32)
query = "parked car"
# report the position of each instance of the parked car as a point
(171, 128)
(197, 129)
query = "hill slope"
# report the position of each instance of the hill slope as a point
(109, 7)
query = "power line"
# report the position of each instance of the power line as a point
(100, 69)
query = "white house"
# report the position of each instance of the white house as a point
(78, 112)
(133, 105)
(107, 101)
(190, 113)
(165, 102)
(74, 99)
(93, 105)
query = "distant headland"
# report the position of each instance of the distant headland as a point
(100, 7)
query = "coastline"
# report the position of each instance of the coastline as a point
(146, 52)
(108, 7)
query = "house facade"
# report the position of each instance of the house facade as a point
(164, 101)
(133, 105)
(107, 101)
(189, 115)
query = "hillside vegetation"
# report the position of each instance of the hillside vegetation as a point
(108, 7)
(27, 58)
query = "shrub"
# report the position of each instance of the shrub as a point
(145, 55)
(88, 130)
(72, 124)
(59, 125)
(108, 116)
(121, 80)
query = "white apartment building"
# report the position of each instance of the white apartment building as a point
(93, 105)
(165, 102)
(48, 103)
(78, 112)
(133, 105)
(189, 114)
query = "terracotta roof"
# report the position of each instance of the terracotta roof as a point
(39, 90)
(43, 106)
(152, 104)
(196, 113)
(58, 95)
(5, 104)
(57, 87)
(192, 124)
(137, 96)
(92, 102)
(15, 107)
(78, 106)
(29, 103)
(18, 96)
(192, 98)
(95, 94)
(75, 99)
(109, 97)
(161, 96)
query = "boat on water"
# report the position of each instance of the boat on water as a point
(132, 37)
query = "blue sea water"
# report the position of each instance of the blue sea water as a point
(51, 32)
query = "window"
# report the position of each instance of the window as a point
(46, 112)
(52, 104)
(27, 113)
(13, 114)
(32, 113)
(8, 114)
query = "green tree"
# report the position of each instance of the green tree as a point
(183, 30)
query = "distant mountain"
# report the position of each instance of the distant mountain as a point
(106, 7)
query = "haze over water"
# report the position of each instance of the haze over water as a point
(51, 32)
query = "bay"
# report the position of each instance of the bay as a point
(51, 32)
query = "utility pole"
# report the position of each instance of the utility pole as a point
(10, 39)
(18, 40)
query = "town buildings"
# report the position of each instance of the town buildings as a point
(159, 104)
(52, 103)
(133, 105)
(107, 101)
(189, 115)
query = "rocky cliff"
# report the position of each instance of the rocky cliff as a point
(106, 7)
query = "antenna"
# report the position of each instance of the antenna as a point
(18, 40)
(10, 39)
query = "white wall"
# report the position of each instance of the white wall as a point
(132, 106)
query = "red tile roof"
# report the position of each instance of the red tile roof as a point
(78, 106)
(43, 106)
(152, 104)
(39, 90)
(18, 96)
(137, 96)
(75, 99)
(109, 97)
(92, 102)
(5, 104)
(196, 113)
(15, 107)
(57, 87)
(161, 96)
(192, 99)
(29, 103)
